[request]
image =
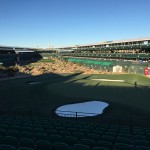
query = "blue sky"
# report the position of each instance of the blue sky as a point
(33, 23)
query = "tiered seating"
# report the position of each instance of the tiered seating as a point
(11, 59)
(128, 56)
(47, 134)
(8, 59)
(28, 57)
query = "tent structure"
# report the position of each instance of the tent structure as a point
(117, 69)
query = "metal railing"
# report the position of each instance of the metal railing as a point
(92, 117)
(74, 114)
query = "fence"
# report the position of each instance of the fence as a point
(107, 65)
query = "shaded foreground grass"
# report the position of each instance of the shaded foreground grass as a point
(54, 90)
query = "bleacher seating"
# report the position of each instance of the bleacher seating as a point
(121, 56)
(38, 133)
(21, 58)
(8, 59)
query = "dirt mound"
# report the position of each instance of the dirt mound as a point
(56, 66)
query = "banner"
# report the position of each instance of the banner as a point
(146, 72)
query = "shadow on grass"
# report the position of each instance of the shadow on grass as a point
(52, 91)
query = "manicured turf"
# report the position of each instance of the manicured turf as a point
(53, 90)
(45, 60)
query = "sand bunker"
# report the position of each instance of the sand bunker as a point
(84, 109)
(108, 80)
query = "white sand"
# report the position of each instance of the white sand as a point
(91, 108)
(108, 80)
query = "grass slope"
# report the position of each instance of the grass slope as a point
(55, 89)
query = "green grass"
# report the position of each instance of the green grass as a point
(54, 90)
(129, 79)
(46, 60)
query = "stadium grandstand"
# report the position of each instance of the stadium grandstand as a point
(133, 55)
(131, 49)
(11, 55)
(28, 119)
